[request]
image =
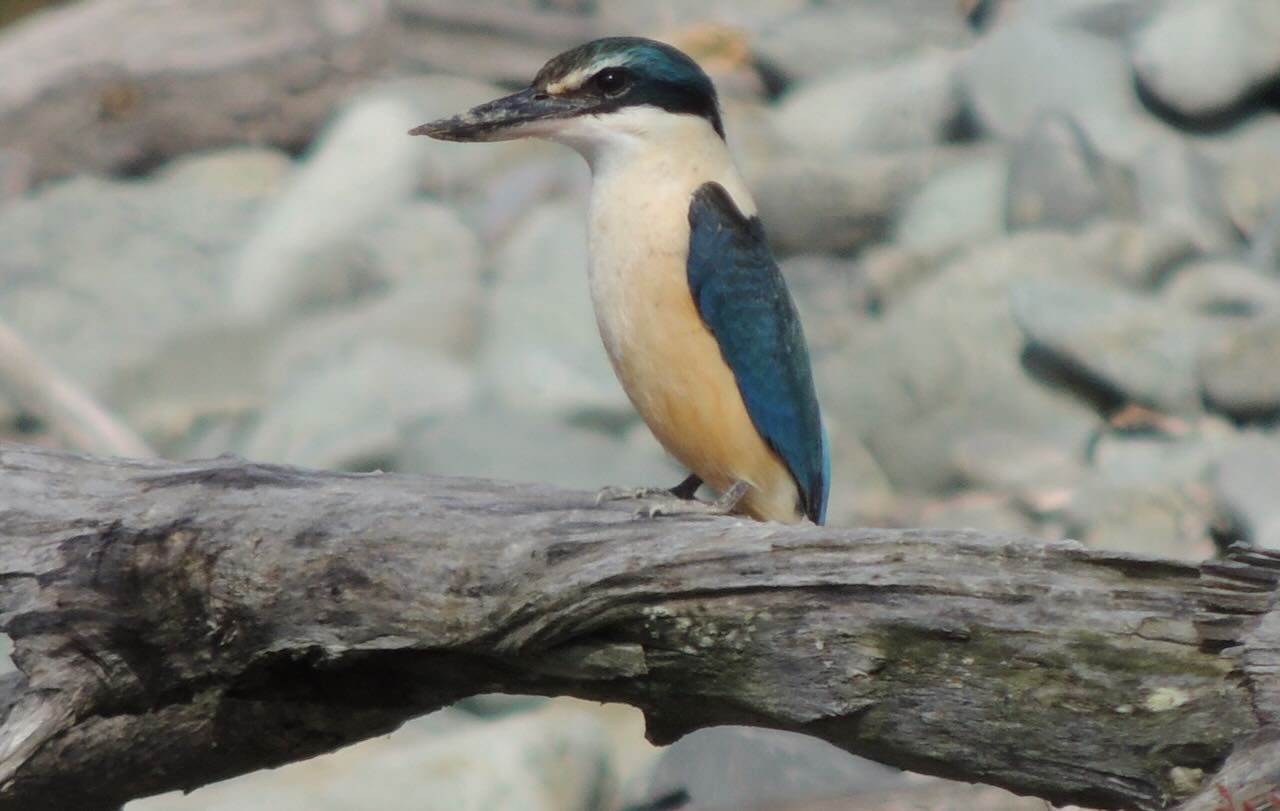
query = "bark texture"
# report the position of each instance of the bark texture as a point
(123, 85)
(175, 624)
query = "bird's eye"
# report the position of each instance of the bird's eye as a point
(612, 81)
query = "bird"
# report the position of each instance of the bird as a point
(691, 306)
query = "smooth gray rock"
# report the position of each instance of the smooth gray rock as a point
(349, 409)
(1115, 19)
(751, 130)
(197, 392)
(543, 348)
(960, 205)
(1057, 179)
(860, 490)
(555, 759)
(95, 274)
(833, 298)
(944, 362)
(524, 445)
(1264, 246)
(902, 105)
(361, 170)
(810, 205)
(1244, 484)
(1029, 67)
(1239, 371)
(16, 174)
(1133, 347)
(1223, 287)
(746, 767)
(993, 459)
(834, 36)
(499, 705)
(252, 172)
(1200, 57)
(1136, 255)
(503, 201)
(987, 512)
(1163, 518)
(891, 271)
(1183, 454)
(1177, 189)
(655, 15)
(432, 265)
(1250, 180)
(1146, 493)
(416, 270)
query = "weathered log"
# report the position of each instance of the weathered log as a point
(110, 85)
(175, 624)
(123, 85)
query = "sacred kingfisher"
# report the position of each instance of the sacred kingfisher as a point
(694, 313)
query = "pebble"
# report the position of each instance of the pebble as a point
(1244, 485)
(1223, 287)
(1026, 68)
(1239, 374)
(1135, 255)
(1177, 190)
(251, 172)
(1057, 179)
(543, 349)
(96, 273)
(902, 105)
(1114, 342)
(812, 205)
(351, 411)
(912, 393)
(740, 767)
(961, 205)
(1201, 58)
(835, 36)
(1249, 183)
(555, 759)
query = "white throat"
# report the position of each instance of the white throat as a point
(648, 145)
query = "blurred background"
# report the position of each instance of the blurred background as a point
(1034, 244)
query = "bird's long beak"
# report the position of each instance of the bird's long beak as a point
(526, 114)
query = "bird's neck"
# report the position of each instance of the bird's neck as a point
(644, 153)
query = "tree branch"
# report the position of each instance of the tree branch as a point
(176, 624)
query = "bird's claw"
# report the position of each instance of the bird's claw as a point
(724, 505)
(628, 493)
(672, 506)
(684, 491)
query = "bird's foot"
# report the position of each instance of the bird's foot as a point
(684, 491)
(729, 499)
(724, 505)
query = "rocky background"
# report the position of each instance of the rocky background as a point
(1035, 243)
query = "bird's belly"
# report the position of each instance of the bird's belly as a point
(671, 367)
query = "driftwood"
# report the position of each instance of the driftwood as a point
(123, 85)
(175, 624)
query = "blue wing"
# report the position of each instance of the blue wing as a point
(743, 300)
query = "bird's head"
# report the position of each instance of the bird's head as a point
(606, 91)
